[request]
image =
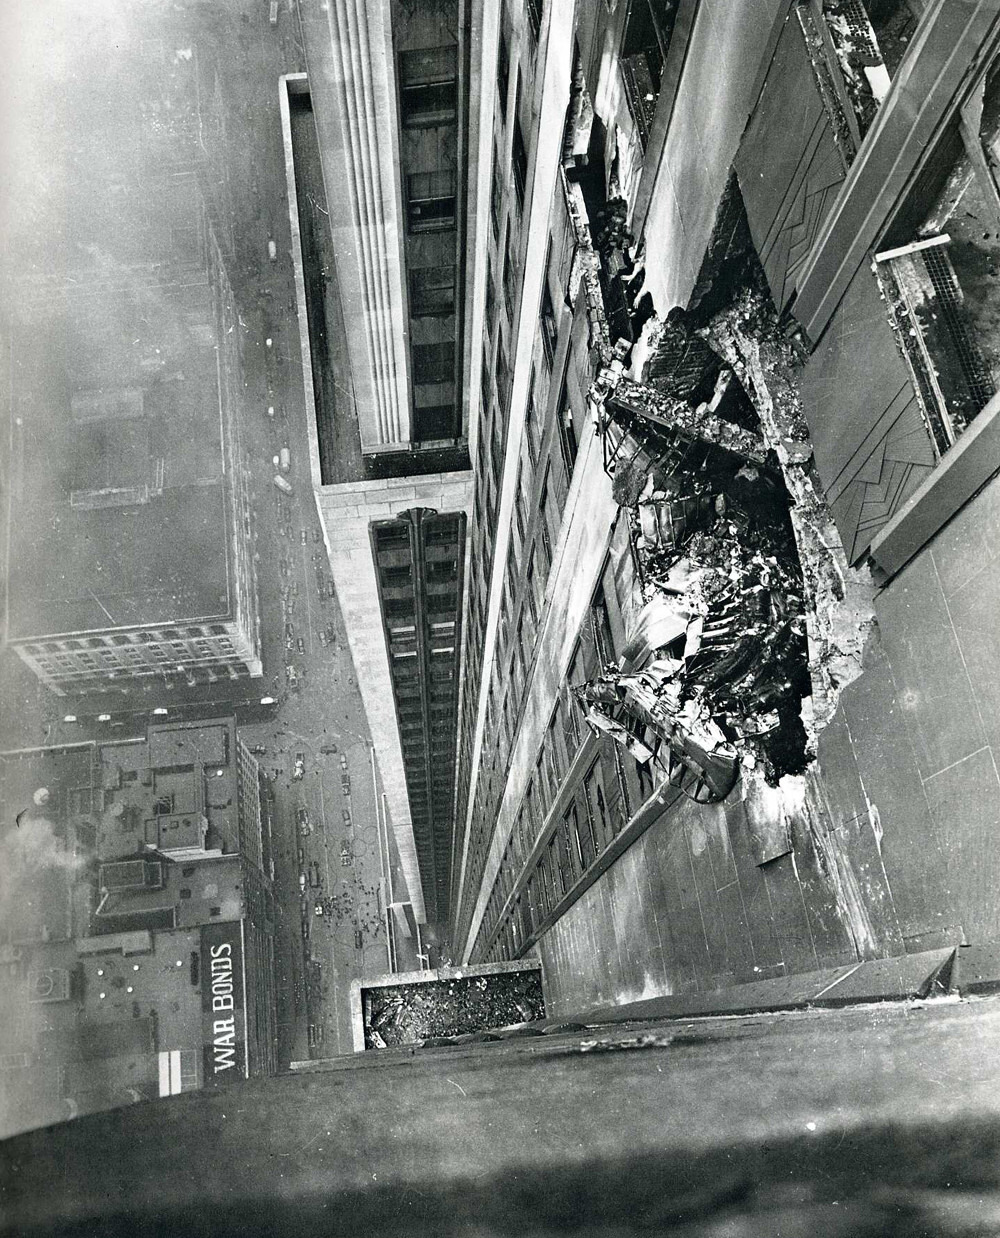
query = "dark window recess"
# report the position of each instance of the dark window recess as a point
(519, 162)
(531, 423)
(215, 911)
(428, 86)
(644, 49)
(432, 291)
(437, 421)
(550, 329)
(503, 70)
(434, 363)
(491, 302)
(510, 276)
(567, 431)
(543, 522)
(503, 377)
(185, 893)
(533, 9)
(485, 380)
(188, 872)
(496, 196)
(430, 201)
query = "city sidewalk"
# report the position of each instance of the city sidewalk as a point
(890, 845)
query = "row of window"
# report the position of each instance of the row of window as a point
(590, 815)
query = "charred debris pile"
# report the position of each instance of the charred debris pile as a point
(724, 664)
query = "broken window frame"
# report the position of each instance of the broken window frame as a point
(851, 112)
(944, 427)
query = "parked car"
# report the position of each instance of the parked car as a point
(330, 633)
(329, 590)
(318, 909)
(304, 537)
(284, 459)
(300, 761)
(282, 485)
(295, 588)
(300, 645)
(323, 639)
(259, 750)
(302, 815)
(317, 535)
(302, 882)
(328, 749)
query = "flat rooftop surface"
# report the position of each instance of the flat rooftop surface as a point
(117, 482)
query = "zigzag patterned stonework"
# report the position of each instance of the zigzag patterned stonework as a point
(871, 444)
(789, 166)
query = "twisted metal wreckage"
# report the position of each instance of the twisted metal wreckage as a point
(717, 673)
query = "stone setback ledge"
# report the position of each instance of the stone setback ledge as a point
(905, 977)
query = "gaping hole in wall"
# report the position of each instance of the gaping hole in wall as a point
(709, 456)
(722, 668)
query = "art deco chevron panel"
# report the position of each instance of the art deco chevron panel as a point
(788, 165)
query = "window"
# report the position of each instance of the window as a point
(644, 49)
(935, 325)
(519, 162)
(544, 532)
(940, 287)
(519, 503)
(188, 872)
(430, 201)
(531, 423)
(434, 422)
(496, 196)
(434, 363)
(428, 86)
(567, 431)
(861, 43)
(432, 291)
(215, 911)
(503, 71)
(503, 376)
(491, 301)
(185, 893)
(510, 276)
(550, 329)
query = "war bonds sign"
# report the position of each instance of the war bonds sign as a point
(223, 1004)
